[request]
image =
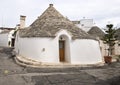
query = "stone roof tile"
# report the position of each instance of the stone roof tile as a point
(49, 23)
(96, 31)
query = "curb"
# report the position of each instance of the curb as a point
(36, 64)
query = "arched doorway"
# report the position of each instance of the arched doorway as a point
(64, 49)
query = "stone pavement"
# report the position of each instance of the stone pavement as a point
(14, 74)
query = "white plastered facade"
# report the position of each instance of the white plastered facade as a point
(46, 49)
(4, 39)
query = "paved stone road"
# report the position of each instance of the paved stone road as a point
(13, 74)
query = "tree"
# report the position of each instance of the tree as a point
(110, 38)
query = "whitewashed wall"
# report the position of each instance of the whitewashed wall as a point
(103, 48)
(4, 39)
(117, 48)
(86, 24)
(85, 52)
(0, 30)
(40, 49)
(47, 49)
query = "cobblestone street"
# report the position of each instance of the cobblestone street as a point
(14, 74)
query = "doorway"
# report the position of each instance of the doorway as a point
(62, 50)
(12, 42)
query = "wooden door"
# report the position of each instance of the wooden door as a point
(62, 51)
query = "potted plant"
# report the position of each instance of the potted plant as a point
(109, 39)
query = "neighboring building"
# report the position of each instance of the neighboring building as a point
(84, 24)
(5, 29)
(0, 30)
(6, 37)
(98, 33)
(117, 45)
(54, 39)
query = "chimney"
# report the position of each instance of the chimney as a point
(50, 5)
(22, 21)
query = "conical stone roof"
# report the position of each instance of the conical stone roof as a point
(96, 32)
(49, 23)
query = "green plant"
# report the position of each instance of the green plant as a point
(110, 38)
(15, 32)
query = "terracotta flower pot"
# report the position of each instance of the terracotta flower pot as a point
(107, 59)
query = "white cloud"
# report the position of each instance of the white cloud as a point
(101, 11)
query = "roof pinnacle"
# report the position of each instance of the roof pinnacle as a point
(50, 5)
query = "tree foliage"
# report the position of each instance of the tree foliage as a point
(110, 38)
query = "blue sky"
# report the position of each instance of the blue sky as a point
(101, 11)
